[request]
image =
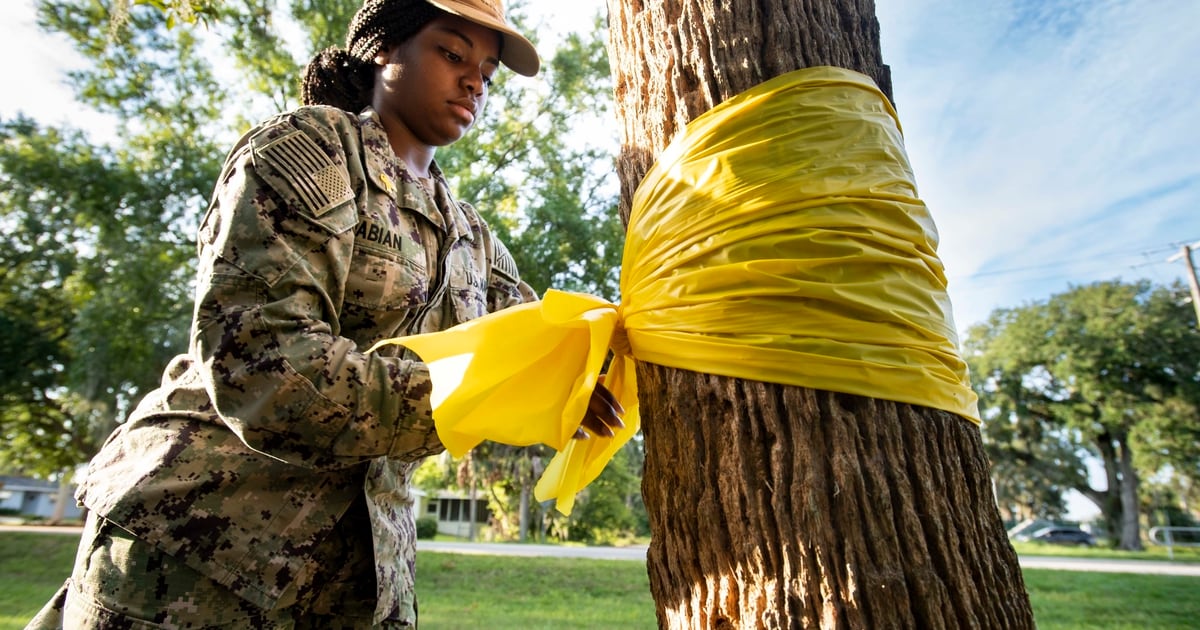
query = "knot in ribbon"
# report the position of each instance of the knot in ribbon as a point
(620, 340)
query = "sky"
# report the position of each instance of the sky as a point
(1054, 141)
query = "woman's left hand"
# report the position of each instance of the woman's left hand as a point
(603, 416)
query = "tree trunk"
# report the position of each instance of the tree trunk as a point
(471, 498)
(779, 506)
(1110, 507)
(523, 513)
(676, 59)
(62, 496)
(791, 507)
(1131, 535)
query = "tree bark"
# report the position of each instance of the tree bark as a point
(62, 496)
(523, 512)
(1111, 506)
(676, 59)
(778, 506)
(1131, 534)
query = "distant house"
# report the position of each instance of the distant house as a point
(453, 512)
(24, 496)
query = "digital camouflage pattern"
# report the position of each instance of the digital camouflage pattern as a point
(121, 583)
(275, 448)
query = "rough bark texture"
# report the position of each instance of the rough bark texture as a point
(674, 60)
(784, 507)
(787, 507)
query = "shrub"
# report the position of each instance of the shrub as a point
(427, 527)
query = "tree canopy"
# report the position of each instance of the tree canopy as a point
(1106, 371)
(99, 237)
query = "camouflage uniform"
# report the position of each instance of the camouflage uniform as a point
(275, 451)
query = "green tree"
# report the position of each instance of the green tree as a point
(103, 235)
(98, 263)
(1109, 368)
(610, 509)
(1034, 461)
(175, 11)
(547, 191)
(99, 238)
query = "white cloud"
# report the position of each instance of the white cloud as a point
(34, 73)
(1061, 133)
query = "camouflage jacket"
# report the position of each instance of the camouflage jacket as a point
(317, 243)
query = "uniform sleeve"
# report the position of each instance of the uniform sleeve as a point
(505, 287)
(275, 253)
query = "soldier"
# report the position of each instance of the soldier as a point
(264, 484)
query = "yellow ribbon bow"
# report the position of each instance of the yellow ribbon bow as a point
(779, 238)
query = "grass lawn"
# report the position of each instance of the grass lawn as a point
(1182, 555)
(1112, 601)
(469, 591)
(32, 567)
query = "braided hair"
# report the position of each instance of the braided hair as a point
(344, 77)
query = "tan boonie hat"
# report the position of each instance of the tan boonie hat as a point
(517, 52)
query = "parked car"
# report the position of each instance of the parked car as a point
(1064, 536)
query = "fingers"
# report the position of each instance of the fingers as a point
(603, 415)
(608, 397)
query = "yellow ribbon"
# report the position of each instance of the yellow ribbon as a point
(779, 238)
(523, 376)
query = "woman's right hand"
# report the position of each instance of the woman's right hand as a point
(603, 415)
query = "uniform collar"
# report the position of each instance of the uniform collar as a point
(393, 177)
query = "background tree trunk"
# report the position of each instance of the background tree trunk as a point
(778, 506)
(1131, 538)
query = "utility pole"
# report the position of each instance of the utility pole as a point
(1186, 255)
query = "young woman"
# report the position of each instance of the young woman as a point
(264, 484)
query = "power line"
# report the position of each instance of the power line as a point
(1062, 270)
(1060, 263)
(1185, 253)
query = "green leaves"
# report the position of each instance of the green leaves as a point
(1108, 369)
(99, 240)
(93, 297)
(96, 258)
(175, 11)
(545, 187)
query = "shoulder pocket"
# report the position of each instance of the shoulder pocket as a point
(504, 287)
(306, 176)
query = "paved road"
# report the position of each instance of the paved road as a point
(42, 529)
(512, 549)
(638, 553)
